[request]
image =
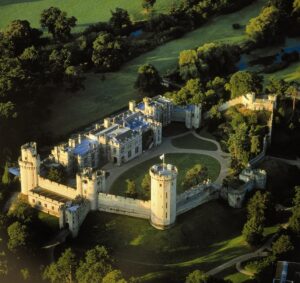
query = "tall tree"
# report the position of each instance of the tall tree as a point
(5, 176)
(120, 21)
(63, 270)
(294, 221)
(131, 188)
(94, 267)
(17, 236)
(114, 276)
(107, 52)
(243, 82)
(57, 23)
(148, 80)
(196, 175)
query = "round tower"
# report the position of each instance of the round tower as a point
(163, 195)
(29, 163)
(89, 184)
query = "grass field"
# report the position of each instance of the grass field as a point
(233, 275)
(100, 98)
(203, 238)
(190, 141)
(183, 163)
(86, 11)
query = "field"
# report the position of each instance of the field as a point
(86, 11)
(183, 163)
(203, 238)
(100, 98)
(190, 141)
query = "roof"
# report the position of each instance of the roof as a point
(73, 208)
(46, 193)
(15, 171)
(84, 147)
(287, 272)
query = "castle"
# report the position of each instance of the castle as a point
(125, 136)
(119, 139)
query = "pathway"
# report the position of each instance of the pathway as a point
(165, 148)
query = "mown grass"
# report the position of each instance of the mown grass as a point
(201, 239)
(86, 11)
(191, 142)
(102, 97)
(183, 162)
(233, 275)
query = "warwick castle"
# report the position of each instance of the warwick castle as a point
(118, 140)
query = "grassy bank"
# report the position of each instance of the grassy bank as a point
(203, 238)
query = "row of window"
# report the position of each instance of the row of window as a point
(39, 203)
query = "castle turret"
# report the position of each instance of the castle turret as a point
(163, 195)
(29, 163)
(132, 105)
(89, 184)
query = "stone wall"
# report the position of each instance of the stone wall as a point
(57, 188)
(122, 205)
(196, 196)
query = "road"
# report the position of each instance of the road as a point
(165, 148)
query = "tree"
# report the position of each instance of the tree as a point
(146, 185)
(17, 236)
(5, 176)
(253, 231)
(57, 23)
(107, 52)
(20, 35)
(56, 174)
(120, 21)
(148, 4)
(196, 276)
(94, 267)
(25, 274)
(114, 276)
(293, 92)
(188, 64)
(243, 82)
(148, 80)
(23, 212)
(196, 175)
(131, 189)
(294, 221)
(255, 145)
(266, 28)
(62, 271)
(282, 246)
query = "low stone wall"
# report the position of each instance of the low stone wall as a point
(196, 196)
(122, 205)
(57, 188)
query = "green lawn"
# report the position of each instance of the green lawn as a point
(183, 163)
(233, 275)
(48, 220)
(191, 142)
(202, 238)
(86, 11)
(100, 98)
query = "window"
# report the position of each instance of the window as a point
(45, 204)
(39, 203)
(166, 215)
(52, 207)
(160, 185)
(166, 195)
(166, 205)
(33, 200)
(129, 153)
(136, 150)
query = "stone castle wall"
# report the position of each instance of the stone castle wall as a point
(122, 205)
(57, 188)
(196, 196)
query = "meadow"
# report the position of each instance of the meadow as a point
(102, 97)
(87, 12)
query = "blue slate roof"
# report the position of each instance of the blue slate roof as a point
(84, 147)
(15, 171)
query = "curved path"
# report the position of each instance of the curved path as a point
(165, 148)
